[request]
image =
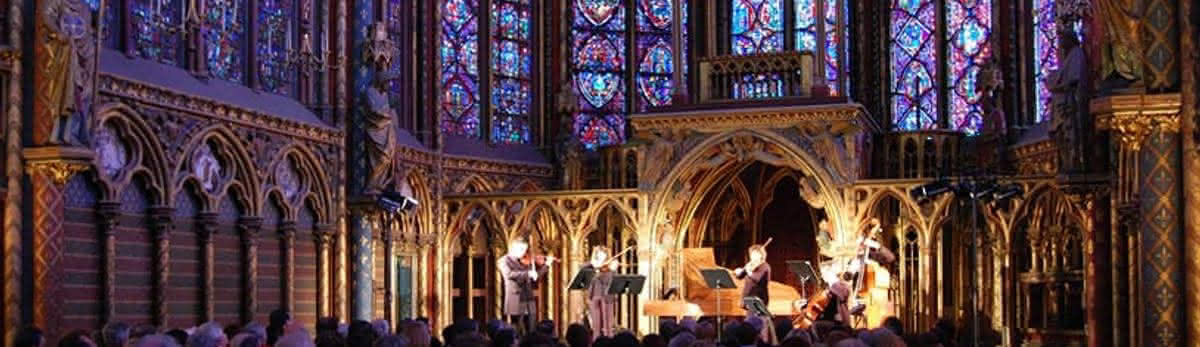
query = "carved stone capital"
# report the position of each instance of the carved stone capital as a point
(206, 225)
(324, 234)
(288, 229)
(108, 213)
(249, 227)
(1132, 118)
(59, 163)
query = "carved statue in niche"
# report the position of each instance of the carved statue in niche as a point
(1120, 47)
(1070, 98)
(67, 64)
(379, 117)
(989, 83)
(659, 155)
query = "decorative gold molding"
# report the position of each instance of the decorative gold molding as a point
(58, 163)
(168, 98)
(454, 162)
(762, 117)
(1132, 118)
(1037, 158)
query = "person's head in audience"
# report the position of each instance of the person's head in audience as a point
(381, 326)
(546, 327)
(257, 329)
(578, 336)
(537, 340)
(208, 335)
(706, 331)
(505, 337)
(392, 341)
(29, 336)
(141, 330)
(893, 324)
(729, 333)
(783, 327)
(231, 331)
(625, 339)
(668, 328)
(471, 339)
(327, 324)
(296, 338)
(746, 335)
(683, 339)
(361, 334)
(603, 341)
(278, 320)
(795, 341)
(330, 338)
(688, 323)
(114, 334)
(249, 340)
(180, 336)
(416, 332)
(156, 340)
(77, 338)
(835, 336)
(655, 340)
(851, 342)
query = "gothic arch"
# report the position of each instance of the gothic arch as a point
(314, 183)
(237, 168)
(473, 181)
(877, 197)
(549, 210)
(489, 215)
(729, 149)
(143, 154)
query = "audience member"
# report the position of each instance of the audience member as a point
(470, 339)
(682, 339)
(392, 341)
(537, 340)
(706, 331)
(625, 339)
(140, 331)
(208, 335)
(851, 342)
(505, 337)
(298, 338)
(746, 335)
(278, 320)
(361, 334)
(114, 334)
(783, 327)
(180, 336)
(893, 324)
(546, 327)
(29, 336)
(382, 327)
(416, 332)
(603, 341)
(157, 340)
(796, 341)
(257, 329)
(578, 335)
(656, 340)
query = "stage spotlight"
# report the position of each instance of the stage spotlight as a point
(930, 190)
(397, 203)
(1007, 191)
(980, 191)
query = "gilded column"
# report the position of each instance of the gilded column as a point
(389, 256)
(108, 213)
(249, 227)
(49, 170)
(1093, 202)
(13, 174)
(287, 234)
(1147, 126)
(1191, 166)
(161, 224)
(340, 244)
(362, 228)
(323, 236)
(206, 226)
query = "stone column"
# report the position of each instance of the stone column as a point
(323, 236)
(13, 197)
(362, 228)
(1191, 164)
(206, 226)
(161, 224)
(108, 213)
(1093, 202)
(1146, 128)
(249, 228)
(49, 170)
(389, 258)
(287, 235)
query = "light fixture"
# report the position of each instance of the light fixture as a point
(930, 190)
(395, 202)
(1007, 191)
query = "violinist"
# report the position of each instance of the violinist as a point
(756, 274)
(521, 273)
(601, 305)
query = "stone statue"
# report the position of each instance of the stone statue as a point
(989, 83)
(67, 65)
(1120, 47)
(1069, 100)
(658, 158)
(378, 116)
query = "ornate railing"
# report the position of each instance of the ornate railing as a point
(766, 75)
(918, 154)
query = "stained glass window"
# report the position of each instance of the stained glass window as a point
(275, 25)
(598, 56)
(225, 38)
(913, 59)
(1045, 53)
(757, 26)
(155, 35)
(806, 31)
(460, 70)
(512, 62)
(969, 27)
(654, 71)
(396, 30)
(112, 25)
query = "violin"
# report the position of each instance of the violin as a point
(537, 260)
(612, 263)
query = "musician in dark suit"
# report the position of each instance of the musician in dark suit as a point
(520, 275)
(601, 305)
(756, 274)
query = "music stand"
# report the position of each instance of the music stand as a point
(805, 271)
(582, 280)
(757, 307)
(626, 284)
(718, 279)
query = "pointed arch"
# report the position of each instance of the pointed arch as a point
(236, 164)
(315, 182)
(488, 215)
(541, 206)
(144, 153)
(475, 182)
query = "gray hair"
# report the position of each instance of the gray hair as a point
(256, 329)
(208, 335)
(297, 338)
(115, 334)
(684, 339)
(381, 326)
(157, 340)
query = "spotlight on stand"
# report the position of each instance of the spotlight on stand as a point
(930, 190)
(397, 203)
(979, 190)
(1007, 191)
